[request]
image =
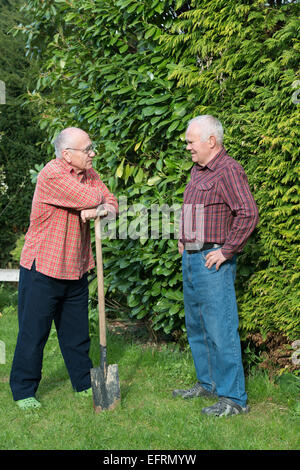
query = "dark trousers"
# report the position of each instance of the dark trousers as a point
(43, 299)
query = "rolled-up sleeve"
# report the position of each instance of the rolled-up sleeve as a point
(63, 190)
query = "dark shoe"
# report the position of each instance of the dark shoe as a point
(225, 407)
(196, 391)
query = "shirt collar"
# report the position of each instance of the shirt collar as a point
(71, 170)
(214, 162)
(65, 165)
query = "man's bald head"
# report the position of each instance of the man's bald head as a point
(67, 138)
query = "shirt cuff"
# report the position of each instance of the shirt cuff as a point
(227, 253)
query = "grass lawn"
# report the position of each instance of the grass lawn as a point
(148, 417)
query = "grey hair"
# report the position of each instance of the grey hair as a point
(60, 143)
(209, 126)
(63, 140)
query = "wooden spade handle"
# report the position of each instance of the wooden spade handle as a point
(100, 280)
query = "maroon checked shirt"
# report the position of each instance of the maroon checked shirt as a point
(57, 239)
(218, 205)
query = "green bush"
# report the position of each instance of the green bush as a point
(19, 135)
(132, 74)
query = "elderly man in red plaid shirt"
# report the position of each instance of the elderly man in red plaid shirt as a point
(218, 216)
(54, 265)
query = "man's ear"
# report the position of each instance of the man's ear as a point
(66, 155)
(212, 141)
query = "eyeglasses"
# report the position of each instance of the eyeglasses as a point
(87, 150)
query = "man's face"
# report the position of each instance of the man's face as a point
(80, 153)
(200, 151)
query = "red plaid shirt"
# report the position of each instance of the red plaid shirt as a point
(222, 193)
(57, 239)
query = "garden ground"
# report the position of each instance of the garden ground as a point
(147, 418)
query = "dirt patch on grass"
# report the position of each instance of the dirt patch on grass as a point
(275, 352)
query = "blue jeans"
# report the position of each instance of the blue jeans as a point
(212, 325)
(43, 299)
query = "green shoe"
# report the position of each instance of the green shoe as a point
(85, 393)
(28, 403)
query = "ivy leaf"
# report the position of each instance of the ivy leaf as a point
(120, 169)
(154, 180)
(139, 176)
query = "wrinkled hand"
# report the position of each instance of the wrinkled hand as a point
(88, 214)
(215, 257)
(180, 247)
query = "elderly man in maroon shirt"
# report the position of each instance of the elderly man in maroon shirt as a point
(55, 260)
(218, 216)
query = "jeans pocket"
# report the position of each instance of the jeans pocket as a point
(203, 256)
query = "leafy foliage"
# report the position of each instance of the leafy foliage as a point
(19, 134)
(132, 74)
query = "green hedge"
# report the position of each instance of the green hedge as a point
(19, 134)
(132, 74)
